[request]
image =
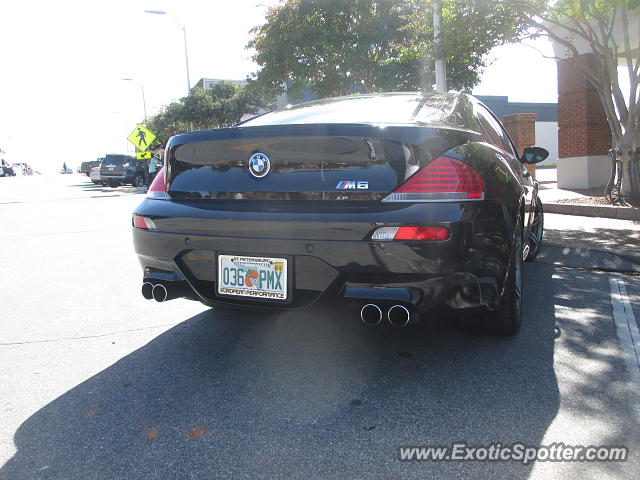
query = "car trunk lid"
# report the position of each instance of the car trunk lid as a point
(310, 162)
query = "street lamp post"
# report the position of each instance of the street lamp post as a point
(441, 65)
(184, 36)
(144, 103)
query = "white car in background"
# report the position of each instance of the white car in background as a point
(94, 175)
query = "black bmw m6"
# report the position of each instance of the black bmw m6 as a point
(394, 202)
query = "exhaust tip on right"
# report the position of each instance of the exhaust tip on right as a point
(371, 314)
(159, 293)
(399, 316)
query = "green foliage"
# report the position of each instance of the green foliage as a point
(221, 105)
(581, 10)
(340, 46)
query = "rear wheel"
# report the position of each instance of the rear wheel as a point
(535, 234)
(506, 320)
(138, 180)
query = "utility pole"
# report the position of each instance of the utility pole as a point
(184, 37)
(441, 64)
(144, 102)
(186, 58)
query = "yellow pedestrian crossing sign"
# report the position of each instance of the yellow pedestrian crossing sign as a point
(143, 155)
(141, 137)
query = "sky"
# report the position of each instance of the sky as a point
(62, 97)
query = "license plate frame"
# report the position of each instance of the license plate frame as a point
(258, 263)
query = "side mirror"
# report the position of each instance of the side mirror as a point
(534, 155)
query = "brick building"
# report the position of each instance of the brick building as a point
(584, 136)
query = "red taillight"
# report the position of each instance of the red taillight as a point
(421, 233)
(442, 179)
(410, 233)
(144, 223)
(158, 188)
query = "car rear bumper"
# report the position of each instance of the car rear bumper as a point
(466, 270)
(116, 177)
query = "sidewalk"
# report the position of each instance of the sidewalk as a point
(588, 203)
(610, 241)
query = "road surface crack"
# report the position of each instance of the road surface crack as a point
(84, 337)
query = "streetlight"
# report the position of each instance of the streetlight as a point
(441, 65)
(144, 103)
(184, 35)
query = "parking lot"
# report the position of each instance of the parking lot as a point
(99, 383)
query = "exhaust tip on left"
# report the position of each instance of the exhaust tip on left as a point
(371, 314)
(159, 293)
(147, 290)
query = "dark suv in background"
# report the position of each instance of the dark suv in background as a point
(118, 170)
(85, 167)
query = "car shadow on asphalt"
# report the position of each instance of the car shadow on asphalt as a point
(225, 394)
(307, 395)
(92, 187)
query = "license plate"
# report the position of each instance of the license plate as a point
(262, 278)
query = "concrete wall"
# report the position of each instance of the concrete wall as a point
(547, 137)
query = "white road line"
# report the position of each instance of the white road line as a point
(627, 331)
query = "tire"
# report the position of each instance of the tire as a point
(138, 180)
(506, 319)
(537, 230)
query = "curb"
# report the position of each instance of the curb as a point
(620, 213)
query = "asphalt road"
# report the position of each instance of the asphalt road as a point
(97, 383)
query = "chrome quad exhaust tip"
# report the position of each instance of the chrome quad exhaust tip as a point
(399, 316)
(160, 293)
(147, 290)
(371, 314)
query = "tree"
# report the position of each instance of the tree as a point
(341, 46)
(604, 26)
(221, 105)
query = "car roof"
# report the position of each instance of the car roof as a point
(438, 109)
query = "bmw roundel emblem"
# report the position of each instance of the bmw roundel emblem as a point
(259, 165)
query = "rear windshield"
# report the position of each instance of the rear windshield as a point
(116, 160)
(394, 108)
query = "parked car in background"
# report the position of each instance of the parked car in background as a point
(395, 203)
(95, 175)
(6, 171)
(85, 167)
(117, 169)
(22, 168)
